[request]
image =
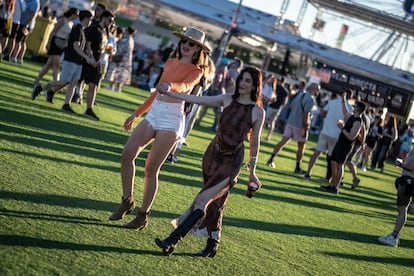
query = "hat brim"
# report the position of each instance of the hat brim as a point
(182, 36)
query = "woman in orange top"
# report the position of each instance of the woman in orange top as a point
(161, 125)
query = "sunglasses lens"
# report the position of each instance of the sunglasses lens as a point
(190, 43)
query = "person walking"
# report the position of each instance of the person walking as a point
(389, 135)
(405, 193)
(276, 106)
(27, 24)
(57, 44)
(96, 41)
(328, 137)
(71, 65)
(298, 123)
(161, 125)
(351, 130)
(121, 73)
(222, 160)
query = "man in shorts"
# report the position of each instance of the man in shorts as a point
(71, 65)
(331, 113)
(351, 131)
(298, 123)
(96, 40)
(405, 193)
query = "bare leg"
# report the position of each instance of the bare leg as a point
(55, 66)
(90, 97)
(163, 143)
(300, 151)
(44, 70)
(139, 139)
(205, 197)
(280, 145)
(70, 91)
(312, 161)
(401, 218)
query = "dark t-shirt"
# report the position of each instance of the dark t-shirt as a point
(281, 94)
(98, 38)
(76, 35)
(348, 126)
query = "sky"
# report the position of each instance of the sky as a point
(362, 39)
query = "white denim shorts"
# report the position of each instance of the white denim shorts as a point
(166, 116)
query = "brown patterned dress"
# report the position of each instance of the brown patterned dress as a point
(223, 159)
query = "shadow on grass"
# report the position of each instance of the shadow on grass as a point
(409, 262)
(64, 160)
(59, 200)
(17, 75)
(308, 231)
(17, 240)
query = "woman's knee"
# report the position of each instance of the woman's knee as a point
(128, 156)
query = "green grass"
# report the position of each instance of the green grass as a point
(60, 181)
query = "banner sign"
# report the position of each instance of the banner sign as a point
(373, 92)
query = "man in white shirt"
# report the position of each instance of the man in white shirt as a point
(329, 134)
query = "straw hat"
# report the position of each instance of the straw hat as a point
(195, 35)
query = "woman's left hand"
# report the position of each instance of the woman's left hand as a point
(129, 122)
(255, 179)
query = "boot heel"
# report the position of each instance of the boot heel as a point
(210, 250)
(139, 222)
(126, 207)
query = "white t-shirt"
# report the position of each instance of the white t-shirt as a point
(268, 91)
(334, 113)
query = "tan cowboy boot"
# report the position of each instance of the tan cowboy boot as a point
(140, 222)
(126, 207)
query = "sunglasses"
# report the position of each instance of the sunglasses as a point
(190, 43)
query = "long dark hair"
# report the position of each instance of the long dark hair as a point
(256, 93)
(70, 12)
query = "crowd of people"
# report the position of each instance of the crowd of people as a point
(245, 102)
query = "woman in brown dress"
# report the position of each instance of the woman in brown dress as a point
(242, 116)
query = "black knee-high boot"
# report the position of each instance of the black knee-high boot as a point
(168, 245)
(210, 250)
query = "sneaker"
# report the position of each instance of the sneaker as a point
(364, 168)
(175, 159)
(169, 159)
(68, 109)
(307, 176)
(389, 240)
(270, 163)
(90, 114)
(299, 171)
(49, 96)
(341, 184)
(382, 170)
(355, 183)
(36, 91)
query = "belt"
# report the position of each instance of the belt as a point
(225, 149)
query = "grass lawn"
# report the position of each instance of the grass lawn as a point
(60, 181)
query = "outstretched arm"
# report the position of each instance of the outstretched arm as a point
(258, 121)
